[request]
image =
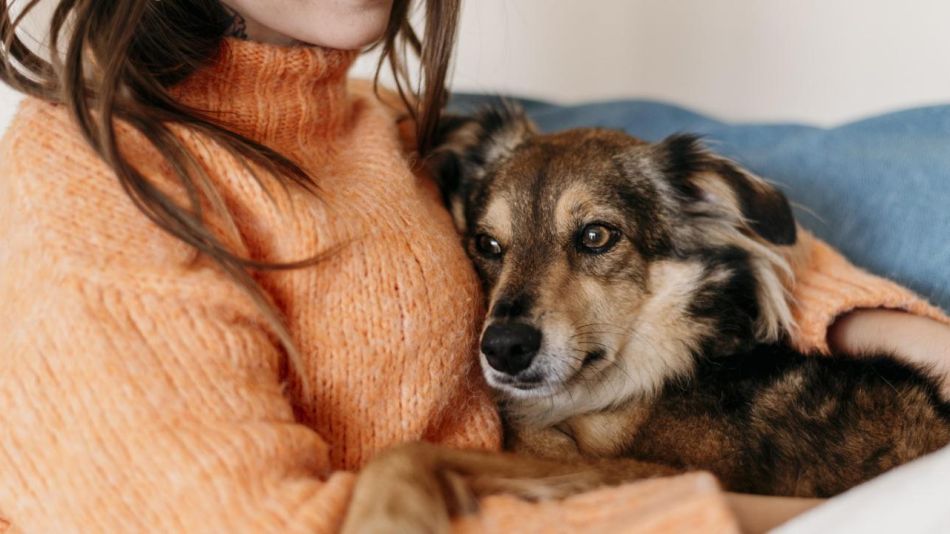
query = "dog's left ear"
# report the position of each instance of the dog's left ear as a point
(705, 177)
(467, 148)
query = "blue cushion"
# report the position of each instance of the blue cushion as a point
(877, 189)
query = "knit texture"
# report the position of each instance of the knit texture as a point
(689, 503)
(828, 286)
(141, 389)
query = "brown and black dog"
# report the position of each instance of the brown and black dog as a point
(639, 325)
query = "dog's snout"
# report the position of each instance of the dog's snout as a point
(510, 308)
(510, 347)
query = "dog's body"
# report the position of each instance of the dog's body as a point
(637, 311)
(768, 421)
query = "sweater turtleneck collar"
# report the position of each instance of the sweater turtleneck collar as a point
(286, 98)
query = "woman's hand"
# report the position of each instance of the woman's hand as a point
(761, 513)
(917, 340)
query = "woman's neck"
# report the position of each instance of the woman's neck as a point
(250, 30)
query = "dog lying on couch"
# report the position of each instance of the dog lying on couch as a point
(638, 326)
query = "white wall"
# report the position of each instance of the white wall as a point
(809, 60)
(812, 60)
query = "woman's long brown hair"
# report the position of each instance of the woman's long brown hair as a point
(116, 60)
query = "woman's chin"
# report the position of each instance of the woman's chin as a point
(348, 41)
(344, 25)
(351, 28)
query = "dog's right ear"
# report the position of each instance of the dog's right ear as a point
(468, 147)
(702, 176)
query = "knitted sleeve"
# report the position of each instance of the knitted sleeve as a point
(140, 389)
(828, 286)
(686, 503)
(148, 399)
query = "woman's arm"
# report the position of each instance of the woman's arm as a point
(759, 513)
(838, 304)
(140, 389)
(919, 340)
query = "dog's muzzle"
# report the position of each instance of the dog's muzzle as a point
(510, 347)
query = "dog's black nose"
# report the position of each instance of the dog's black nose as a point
(510, 347)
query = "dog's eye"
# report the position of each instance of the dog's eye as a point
(488, 246)
(597, 238)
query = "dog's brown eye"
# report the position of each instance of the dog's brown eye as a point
(597, 238)
(488, 246)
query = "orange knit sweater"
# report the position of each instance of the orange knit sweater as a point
(141, 390)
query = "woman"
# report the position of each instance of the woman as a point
(224, 287)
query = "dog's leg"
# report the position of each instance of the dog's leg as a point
(404, 490)
(417, 487)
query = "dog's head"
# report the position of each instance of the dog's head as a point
(610, 264)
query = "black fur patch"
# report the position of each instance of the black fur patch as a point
(801, 425)
(463, 148)
(684, 156)
(732, 304)
(641, 202)
(446, 166)
(763, 206)
(767, 210)
(492, 121)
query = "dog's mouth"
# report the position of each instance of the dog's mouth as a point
(524, 383)
(522, 387)
(538, 382)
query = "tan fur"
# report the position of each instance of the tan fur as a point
(651, 339)
(578, 203)
(606, 434)
(497, 219)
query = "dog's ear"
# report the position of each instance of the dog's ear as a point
(701, 176)
(468, 147)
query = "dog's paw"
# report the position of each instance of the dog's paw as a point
(400, 491)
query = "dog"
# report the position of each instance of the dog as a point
(638, 325)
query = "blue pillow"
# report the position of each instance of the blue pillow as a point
(877, 189)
